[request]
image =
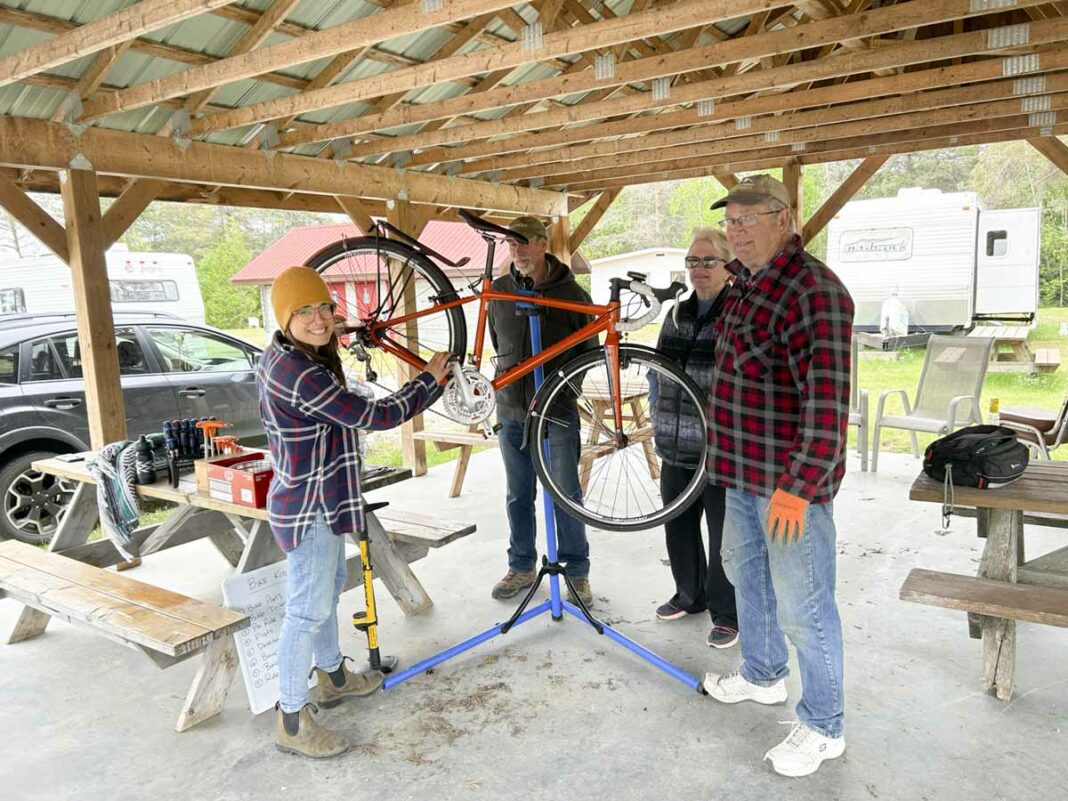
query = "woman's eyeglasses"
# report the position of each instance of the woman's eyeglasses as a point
(708, 262)
(307, 313)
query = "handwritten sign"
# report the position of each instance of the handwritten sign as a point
(260, 594)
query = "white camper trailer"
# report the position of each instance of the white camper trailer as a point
(163, 282)
(949, 262)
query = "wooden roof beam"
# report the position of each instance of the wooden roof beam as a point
(911, 82)
(845, 64)
(602, 34)
(112, 29)
(1017, 127)
(370, 30)
(769, 163)
(35, 143)
(795, 127)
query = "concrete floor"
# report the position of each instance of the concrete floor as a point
(552, 710)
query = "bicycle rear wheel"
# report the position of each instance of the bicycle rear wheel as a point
(375, 280)
(620, 480)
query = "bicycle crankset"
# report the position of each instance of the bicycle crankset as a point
(468, 397)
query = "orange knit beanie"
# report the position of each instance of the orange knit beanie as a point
(295, 287)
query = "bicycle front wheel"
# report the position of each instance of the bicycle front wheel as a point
(619, 472)
(375, 280)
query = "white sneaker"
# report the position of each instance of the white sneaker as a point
(803, 751)
(732, 688)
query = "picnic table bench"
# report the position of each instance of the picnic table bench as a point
(1011, 352)
(1008, 586)
(69, 581)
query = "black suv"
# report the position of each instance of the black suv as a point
(169, 369)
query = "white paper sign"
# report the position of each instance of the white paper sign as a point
(260, 594)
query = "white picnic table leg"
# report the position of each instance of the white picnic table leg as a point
(73, 530)
(211, 684)
(393, 569)
(1002, 529)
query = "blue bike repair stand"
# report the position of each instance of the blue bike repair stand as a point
(556, 606)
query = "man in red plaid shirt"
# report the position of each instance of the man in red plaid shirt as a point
(778, 411)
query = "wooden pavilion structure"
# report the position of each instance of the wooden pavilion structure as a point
(409, 109)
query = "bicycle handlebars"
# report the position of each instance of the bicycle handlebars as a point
(654, 298)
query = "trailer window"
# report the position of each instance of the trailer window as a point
(12, 301)
(143, 291)
(997, 243)
(9, 365)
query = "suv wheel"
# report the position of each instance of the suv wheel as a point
(33, 503)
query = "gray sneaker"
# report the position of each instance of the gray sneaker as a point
(582, 588)
(513, 583)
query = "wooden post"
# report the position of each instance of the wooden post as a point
(1002, 529)
(792, 177)
(412, 220)
(92, 302)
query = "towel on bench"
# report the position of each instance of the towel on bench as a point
(115, 471)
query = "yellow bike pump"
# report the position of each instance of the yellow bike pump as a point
(367, 620)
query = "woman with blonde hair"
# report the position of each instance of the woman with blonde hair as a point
(700, 584)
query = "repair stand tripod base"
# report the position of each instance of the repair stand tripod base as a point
(555, 605)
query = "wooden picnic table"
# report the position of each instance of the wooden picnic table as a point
(68, 580)
(1011, 353)
(600, 418)
(1008, 586)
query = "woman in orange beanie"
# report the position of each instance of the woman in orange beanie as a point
(312, 421)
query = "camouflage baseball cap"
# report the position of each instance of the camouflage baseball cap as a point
(530, 227)
(755, 189)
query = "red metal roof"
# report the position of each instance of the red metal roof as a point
(453, 240)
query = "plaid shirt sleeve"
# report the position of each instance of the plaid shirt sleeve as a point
(817, 335)
(321, 397)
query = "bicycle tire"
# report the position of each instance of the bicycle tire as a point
(368, 259)
(602, 463)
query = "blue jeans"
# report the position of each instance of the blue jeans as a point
(315, 578)
(787, 589)
(573, 549)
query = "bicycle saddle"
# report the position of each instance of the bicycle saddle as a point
(486, 227)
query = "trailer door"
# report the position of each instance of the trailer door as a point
(1006, 280)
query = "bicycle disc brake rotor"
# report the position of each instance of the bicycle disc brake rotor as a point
(479, 402)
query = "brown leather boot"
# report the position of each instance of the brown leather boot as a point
(329, 694)
(310, 739)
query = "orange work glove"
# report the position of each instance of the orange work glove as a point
(786, 516)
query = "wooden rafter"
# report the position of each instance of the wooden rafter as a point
(93, 77)
(919, 52)
(388, 24)
(113, 29)
(809, 129)
(505, 56)
(33, 143)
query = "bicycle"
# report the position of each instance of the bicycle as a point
(410, 309)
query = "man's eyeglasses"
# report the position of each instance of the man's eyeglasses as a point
(307, 313)
(708, 262)
(746, 219)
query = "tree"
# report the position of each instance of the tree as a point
(226, 305)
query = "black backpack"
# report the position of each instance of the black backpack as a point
(977, 456)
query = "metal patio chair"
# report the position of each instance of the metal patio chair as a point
(947, 395)
(858, 406)
(1042, 430)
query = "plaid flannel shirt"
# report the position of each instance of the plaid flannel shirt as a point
(311, 422)
(778, 405)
